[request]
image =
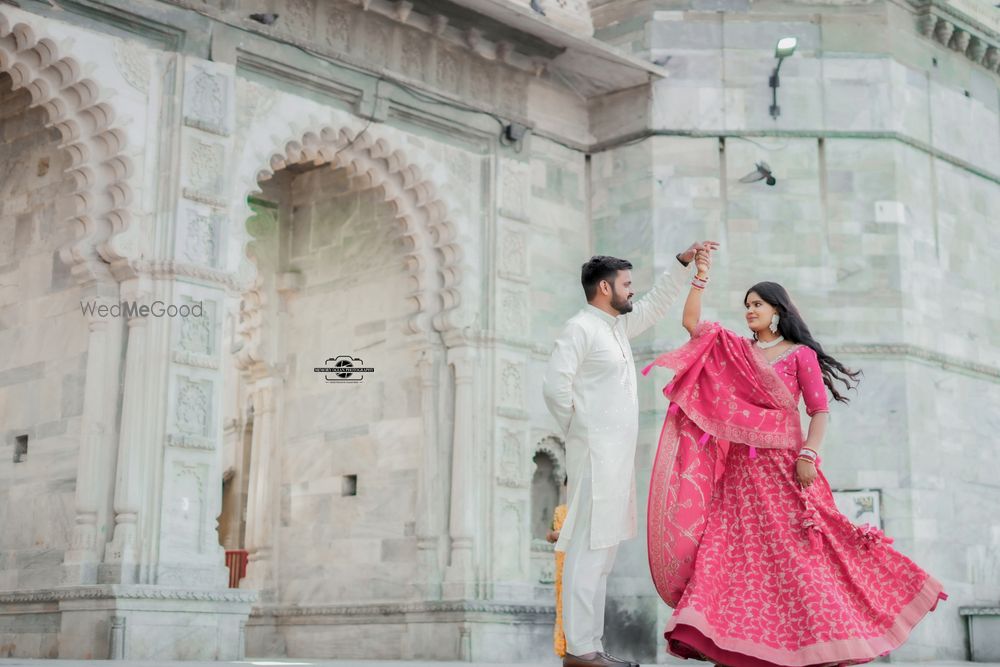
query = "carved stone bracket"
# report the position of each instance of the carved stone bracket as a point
(951, 28)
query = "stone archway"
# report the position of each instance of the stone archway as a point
(93, 206)
(431, 260)
(98, 206)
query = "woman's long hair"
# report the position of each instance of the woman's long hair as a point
(793, 328)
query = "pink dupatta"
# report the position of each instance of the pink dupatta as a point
(723, 388)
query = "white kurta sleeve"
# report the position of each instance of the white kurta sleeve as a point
(653, 306)
(557, 386)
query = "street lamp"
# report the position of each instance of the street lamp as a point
(785, 47)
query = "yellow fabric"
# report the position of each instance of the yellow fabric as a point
(558, 517)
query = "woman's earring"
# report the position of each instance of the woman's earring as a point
(774, 323)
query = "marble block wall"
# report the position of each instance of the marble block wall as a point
(43, 334)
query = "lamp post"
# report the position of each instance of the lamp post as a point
(785, 47)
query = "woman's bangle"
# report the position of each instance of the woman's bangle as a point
(811, 451)
(807, 454)
(699, 283)
(807, 459)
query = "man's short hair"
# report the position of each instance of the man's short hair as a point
(598, 268)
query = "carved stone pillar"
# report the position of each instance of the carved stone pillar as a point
(94, 465)
(432, 513)
(460, 578)
(121, 554)
(264, 496)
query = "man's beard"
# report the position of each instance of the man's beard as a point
(623, 306)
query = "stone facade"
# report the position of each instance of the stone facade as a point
(350, 181)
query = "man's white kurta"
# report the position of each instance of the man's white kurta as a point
(590, 389)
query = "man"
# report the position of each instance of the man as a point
(590, 389)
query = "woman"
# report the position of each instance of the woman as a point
(745, 541)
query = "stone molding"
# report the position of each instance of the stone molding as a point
(100, 170)
(190, 442)
(390, 608)
(195, 360)
(112, 592)
(950, 27)
(921, 353)
(171, 269)
(979, 611)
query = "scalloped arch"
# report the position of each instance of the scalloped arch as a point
(433, 255)
(98, 207)
(555, 449)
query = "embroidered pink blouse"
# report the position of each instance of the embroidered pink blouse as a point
(799, 369)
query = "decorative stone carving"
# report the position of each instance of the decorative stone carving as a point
(510, 470)
(196, 332)
(338, 28)
(95, 141)
(513, 189)
(200, 244)
(378, 46)
(554, 448)
(193, 406)
(991, 58)
(205, 172)
(513, 95)
(425, 219)
(297, 19)
(414, 54)
(134, 64)
(207, 100)
(169, 269)
(449, 70)
(959, 40)
(385, 609)
(513, 313)
(976, 50)
(190, 442)
(112, 591)
(481, 82)
(511, 391)
(513, 255)
(939, 23)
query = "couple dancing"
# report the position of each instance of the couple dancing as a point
(744, 540)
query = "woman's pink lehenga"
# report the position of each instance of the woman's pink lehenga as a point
(759, 571)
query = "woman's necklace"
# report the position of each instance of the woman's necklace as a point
(764, 346)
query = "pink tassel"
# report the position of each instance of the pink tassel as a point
(753, 452)
(703, 440)
(674, 409)
(645, 371)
